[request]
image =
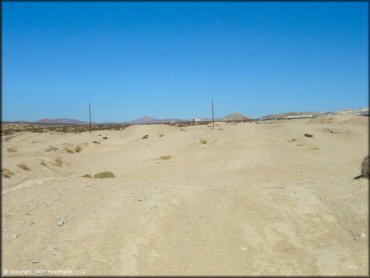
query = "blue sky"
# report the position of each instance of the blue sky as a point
(169, 59)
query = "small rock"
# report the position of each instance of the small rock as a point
(96, 142)
(243, 248)
(308, 135)
(15, 236)
(363, 235)
(35, 261)
(105, 137)
(145, 137)
(60, 222)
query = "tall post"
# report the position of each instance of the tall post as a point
(90, 115)
(213, 116)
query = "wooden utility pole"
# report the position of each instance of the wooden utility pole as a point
(90, 115)
(213, 116)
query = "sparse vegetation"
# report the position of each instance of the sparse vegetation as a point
(37, 130)
(292, 140)
(43, 163)
(87, 176)
(160, 135)
(78, 149)
(6, 173)
(23, 166)
(9, 129)
(203, 141)
(104, 175)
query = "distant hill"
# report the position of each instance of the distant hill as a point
(348, 111)
(144, 120)
(288, 115)
(62, 121)
(236, 117)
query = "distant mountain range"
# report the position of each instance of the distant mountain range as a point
(142, 120)
(62, 121)
(231, 117)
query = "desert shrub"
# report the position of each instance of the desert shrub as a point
(68, 150)
(23, 166)
(365, 167)
(37, 130)
(165, 157)
(58, 162)
(8, 131)
(6, 173)
(12, 149)
(87, 176)
(104, 175)
(77, 149)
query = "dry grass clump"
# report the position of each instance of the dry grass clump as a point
(104, 175)
(68, 150)
(12, 149)
(365, 167)
(6, 173)
(23, 166)
(58, 162)
(51, 149)
(165, 157)
(203, 141)
(78, 149)
(87, 176)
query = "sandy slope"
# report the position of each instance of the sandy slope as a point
(250, 201)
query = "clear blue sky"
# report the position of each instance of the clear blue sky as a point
(169, 59)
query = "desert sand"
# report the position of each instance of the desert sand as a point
(243, 199)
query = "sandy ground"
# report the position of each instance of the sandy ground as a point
(243, 199)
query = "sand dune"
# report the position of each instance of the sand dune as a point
(243, 199)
